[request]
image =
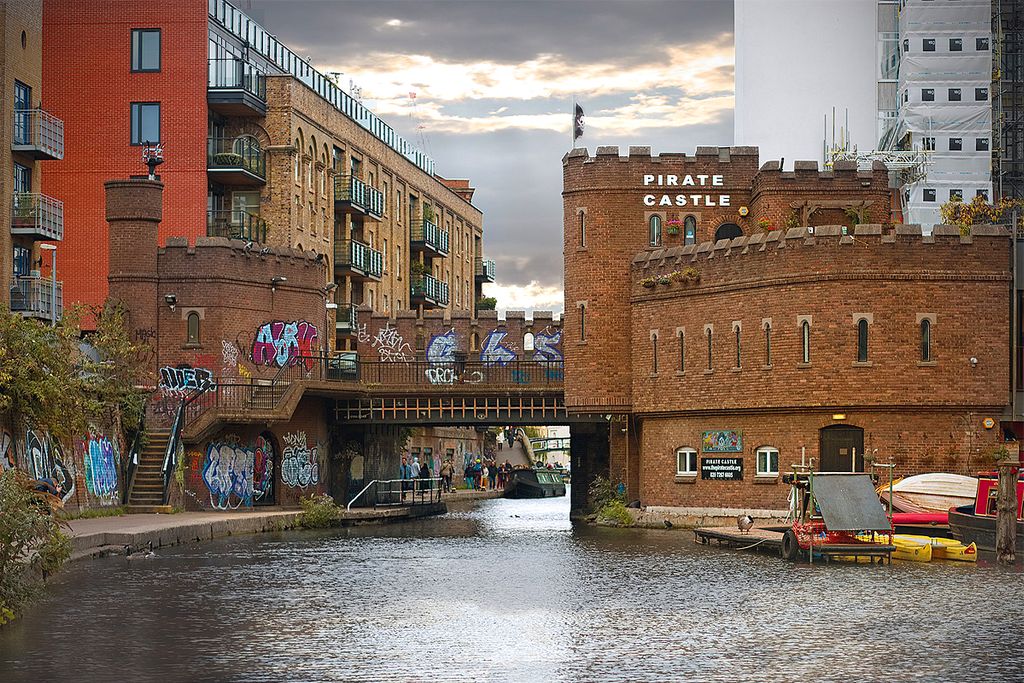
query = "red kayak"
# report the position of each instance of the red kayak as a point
(920, 518)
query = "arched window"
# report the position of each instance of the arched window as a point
(528, 341)
(686, 462)
(298, 161)
(926, 340)
(768, 344)
(862, 340)
(728, 231)
(709, 348)
(767, 461)
(690, 230)
(805, 341)
(192, 324)
(583, 228)
(654, 231)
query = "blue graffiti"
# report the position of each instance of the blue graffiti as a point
(441, 348)
(101, 464)
(520, 377)
(555, 375)
(493, 352)
(546, 347)
(228, 473)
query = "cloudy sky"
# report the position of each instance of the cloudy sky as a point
(494, 82)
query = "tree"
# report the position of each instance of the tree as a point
(486, 303)
(978, 212)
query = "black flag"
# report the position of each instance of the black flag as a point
(577, 123)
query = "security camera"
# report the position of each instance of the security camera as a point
(171, 300)
(974, 361)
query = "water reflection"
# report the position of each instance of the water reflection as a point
(511, 591)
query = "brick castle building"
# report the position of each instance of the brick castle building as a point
(732, 320)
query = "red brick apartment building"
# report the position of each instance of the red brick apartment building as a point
(732, 320)
(258, 146)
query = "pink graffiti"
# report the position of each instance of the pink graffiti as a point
(280, 343)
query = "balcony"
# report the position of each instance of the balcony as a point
(484, 270)
(346, 322)
(353, 195)
(429, 237)
(37, 216)
(38, 134)
(236, 161)
(429, 291)
(236, 88)
(33, 297)
(357, 260)
(237, 225)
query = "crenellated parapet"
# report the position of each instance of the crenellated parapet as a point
(240, 261)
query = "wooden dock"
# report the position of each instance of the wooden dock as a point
(758, 538)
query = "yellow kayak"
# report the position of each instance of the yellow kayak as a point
(908, 547)
(949, 548)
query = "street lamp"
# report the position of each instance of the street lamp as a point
(52, 248)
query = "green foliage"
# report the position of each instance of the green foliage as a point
(615, 513)
(32, 544)
(417, 270)
(486, 303)
(319, 511)
(793, 220)
(601, 492)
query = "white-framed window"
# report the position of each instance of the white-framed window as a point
(686, 462)
(767, 461)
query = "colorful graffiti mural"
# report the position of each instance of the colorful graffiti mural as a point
(183, 380)
(101, 463)
(547, 346)
(8, 455)
(300, 464)
(280, 343)
(237, 474)
(45, 460)
(493, 352)
(442, 347)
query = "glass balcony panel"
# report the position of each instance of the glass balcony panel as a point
(238, 161)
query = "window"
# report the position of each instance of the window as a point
(583, 228)
(981, 144)
(767, 461)
(954, 94)
(398, 261)
(980, 94)
(145, 49)
(22, 179)
(956, 44)
(982, 193)
(682, 351)
(686, 462)
(927, 94)
(768, 344)
(528, 341)
(906, 45)
(926, 340)
(654, 230)
(192, 323)
(22, 119)
(583, 322)
(956, 144)
(928, 143)
(145, 126)
(805, 342)
(708, 332)
(929, 194)
(981, 43)
(736, 332)
(956, 195)
(862, 341)
(928, 44)
(654, 350)
(385, 303)
(690, 230)
(22, 261)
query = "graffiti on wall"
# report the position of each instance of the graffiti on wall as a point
(390, 345)
(442, 347)
(45, 460)
(8, 457)
(102, 461)
(280, 343)
(547, 346)
(300, 464)
(182, 380)
(493, 352)
(230, 361)
(237, 474)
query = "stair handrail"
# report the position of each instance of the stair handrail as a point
(348, 508)
(132, 461)
(171, 454)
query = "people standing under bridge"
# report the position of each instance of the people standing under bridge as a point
(424, 473)
(468, 474)
(484, 475)
(478, 469)
(405, 473)
(447, 470)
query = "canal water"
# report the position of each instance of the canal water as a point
(511, 591)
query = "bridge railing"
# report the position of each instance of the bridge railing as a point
(465, 374)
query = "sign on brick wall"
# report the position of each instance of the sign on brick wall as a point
(722, 441)
(725, 469)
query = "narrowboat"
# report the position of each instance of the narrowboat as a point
(976, 523)
(529, 483)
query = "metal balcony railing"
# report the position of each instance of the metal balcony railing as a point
(430, 288)
(38, 133)
(34, 297)
(358, 256)
(236, 224)
(242, 154)
(431, 236)
(38, 216)
(237, 74)
(348, 188)
(484, 269)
